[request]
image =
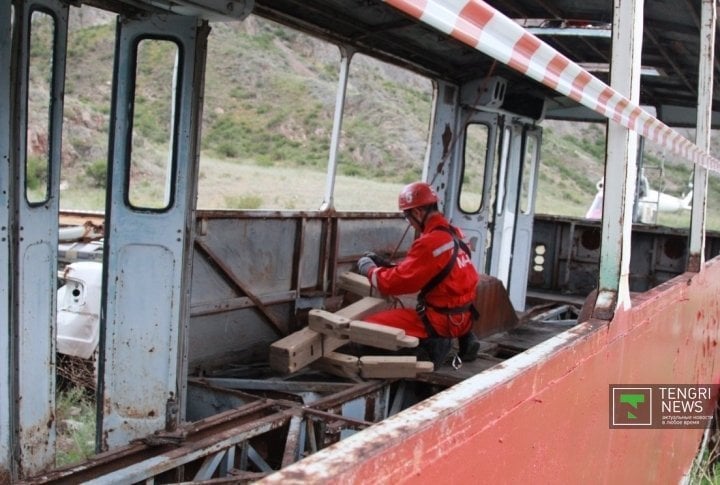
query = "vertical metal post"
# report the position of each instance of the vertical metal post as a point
(34, 241)
(442, 149)
(146, 273)
(5, 97)
(346, 54)
(190, 178)
(620, 163)
(696, 257)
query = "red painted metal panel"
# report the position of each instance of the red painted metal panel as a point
(542, 416)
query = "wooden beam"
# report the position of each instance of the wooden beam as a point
(355, 283)
(307, 345)
(373, 366)
(363, 307)
(295, 351)
(338, 364)
(330, 324)
(392, 366)
(380, 336)
(365, 333)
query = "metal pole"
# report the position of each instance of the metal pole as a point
(346, 54)
(696, 255)
(620, 163)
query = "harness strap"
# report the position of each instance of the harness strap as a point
(443, 272)
(422, 305)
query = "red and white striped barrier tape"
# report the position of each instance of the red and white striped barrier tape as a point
(480, 26)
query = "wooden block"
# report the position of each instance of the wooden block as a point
(328, 323)
(296, 350)
(363, 307)
(354, 283)
(390, 366)
(407, 341)
(423, 366)
(305, 346)
(380, 336)
(338, 364)
(330, 344)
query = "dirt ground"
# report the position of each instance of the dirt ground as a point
(224, 184)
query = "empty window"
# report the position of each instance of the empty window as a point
(474, 160)
(528, 173)
(39, 102)
(153, 125)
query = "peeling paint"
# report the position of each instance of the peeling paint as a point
(454, 425)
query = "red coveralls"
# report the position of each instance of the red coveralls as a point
(427, 256)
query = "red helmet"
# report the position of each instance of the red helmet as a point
(416, 194)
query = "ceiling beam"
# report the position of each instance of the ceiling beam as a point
(696, 20)
(663, 52)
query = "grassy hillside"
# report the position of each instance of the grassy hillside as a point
(268, 107)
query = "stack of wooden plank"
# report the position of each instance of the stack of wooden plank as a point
(326, 332)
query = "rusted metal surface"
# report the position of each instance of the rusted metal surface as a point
(493, 305)
(104, 465)
(492, 426)
(495, 426)
(228, 273)
(570, 250)
(694, 263)
(33, 238)
(237, 303)
(706, 70)
(289, 261)
(292, 443)
(209, 446)
(620, 160)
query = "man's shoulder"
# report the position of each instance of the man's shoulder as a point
(442, 229)
(435, 236)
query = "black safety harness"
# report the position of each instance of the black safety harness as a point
(422, 305)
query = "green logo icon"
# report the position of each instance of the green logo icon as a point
(633, 400)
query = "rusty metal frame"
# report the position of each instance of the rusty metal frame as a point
(33, 245)
(696, 256)
(226, 444)
(232, 278)
(265, 434)
(620, 165)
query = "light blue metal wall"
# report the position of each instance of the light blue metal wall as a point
(5, 54)
(144, 319)
(34, 242)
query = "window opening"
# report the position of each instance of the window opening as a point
(474, 163)
(153, 125)
(39, 106)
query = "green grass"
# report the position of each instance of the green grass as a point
(706, 468)
(75, 418)
(243, 202)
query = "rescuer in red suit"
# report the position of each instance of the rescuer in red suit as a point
(438, 266)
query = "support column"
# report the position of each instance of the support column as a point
(696, 257)
(34, 233)
(5, 97)
(143, 358)
(620, 162)
(346, 54)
